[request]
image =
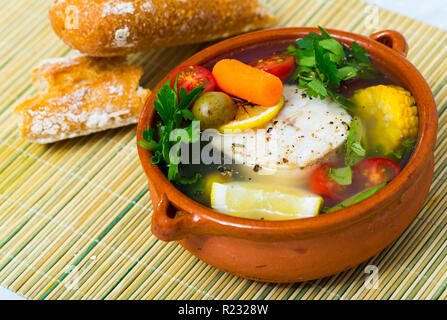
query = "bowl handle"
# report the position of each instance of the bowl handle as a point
(393, 39)
(168, 224)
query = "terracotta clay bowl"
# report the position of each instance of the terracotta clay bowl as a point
(300, 250)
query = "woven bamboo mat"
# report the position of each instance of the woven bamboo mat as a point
(75, 216)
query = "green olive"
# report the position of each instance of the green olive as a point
(214, 109)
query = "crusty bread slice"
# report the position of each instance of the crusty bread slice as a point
(79, 96)
(105, 28)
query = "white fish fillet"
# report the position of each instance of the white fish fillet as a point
(304, 132)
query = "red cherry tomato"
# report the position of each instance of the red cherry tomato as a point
(374, 172)
(191, 77)
(322, 184)
(281, 65)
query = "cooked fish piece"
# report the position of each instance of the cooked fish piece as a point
(305, 132)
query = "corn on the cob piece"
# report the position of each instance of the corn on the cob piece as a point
(390, 115)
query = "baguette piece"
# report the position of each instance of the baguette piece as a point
(79, 96)
(104, 28)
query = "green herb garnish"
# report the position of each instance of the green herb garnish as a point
(323, 63)
(356, 198)
(355, 152)
(343, 176)
(175, 114)
(406, 147)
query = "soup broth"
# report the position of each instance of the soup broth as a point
(334, 178)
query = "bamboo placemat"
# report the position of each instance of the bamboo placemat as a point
(75, 216)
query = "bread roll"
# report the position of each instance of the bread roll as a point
(104, 28)
(81, 95)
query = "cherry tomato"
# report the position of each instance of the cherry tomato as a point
(191, 77)
(375, 171)
(322, 184)
(281, 65)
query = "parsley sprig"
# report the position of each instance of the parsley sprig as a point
(174, 113)
(323, 63)
(355, 153)
(355, 150)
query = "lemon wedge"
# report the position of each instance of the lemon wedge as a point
(248, 117)
(210, 180)
(262, 202)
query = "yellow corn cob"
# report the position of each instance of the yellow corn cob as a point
(390, 115)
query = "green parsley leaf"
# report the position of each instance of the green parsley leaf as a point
(156, 158)
(337, 53)
(343, 176)
(347, 73)
(326, 67)
(189, 180)
(324, 33)
(345, 102)
(360, 54)
(186, 99)
(323, 63)
(174, 114)
(187, 114)
(173, 172)
(166, 103)
(151, 146)
(316, 88)
(356, 198)
(355, 152)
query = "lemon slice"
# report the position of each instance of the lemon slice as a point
(248, 117)
(254, 201)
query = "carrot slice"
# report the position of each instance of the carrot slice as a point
(246, 82)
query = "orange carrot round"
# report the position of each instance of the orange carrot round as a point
(249, 83)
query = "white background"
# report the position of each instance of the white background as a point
(433, 12)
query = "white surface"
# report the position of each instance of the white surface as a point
(6, 294)
(433, 12)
